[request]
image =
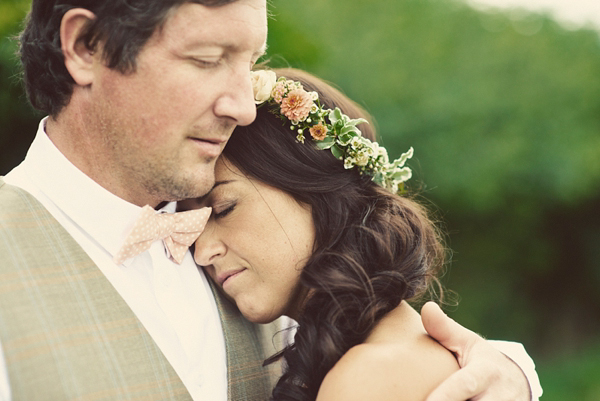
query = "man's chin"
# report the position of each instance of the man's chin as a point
(189, 188)
(198, 185)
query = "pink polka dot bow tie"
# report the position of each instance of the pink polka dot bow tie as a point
(177, 230)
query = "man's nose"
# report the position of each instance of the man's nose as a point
(237, 101)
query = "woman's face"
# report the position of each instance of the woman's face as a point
(255, 244)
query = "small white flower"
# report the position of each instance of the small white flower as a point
(362, 158)
(313, 95)
(349, 163)
(290, 85)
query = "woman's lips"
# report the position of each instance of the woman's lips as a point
(224, 277)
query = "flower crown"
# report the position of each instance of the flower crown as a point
(330, 129)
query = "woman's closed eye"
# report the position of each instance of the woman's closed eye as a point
(224, 212)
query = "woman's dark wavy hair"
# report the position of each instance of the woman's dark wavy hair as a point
(122, 26)
(372, 248)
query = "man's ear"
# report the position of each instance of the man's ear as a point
(79, 60)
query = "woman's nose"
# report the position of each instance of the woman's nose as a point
(208, 249)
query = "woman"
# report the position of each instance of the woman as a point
(296, 231)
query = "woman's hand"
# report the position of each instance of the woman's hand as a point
(486, 374)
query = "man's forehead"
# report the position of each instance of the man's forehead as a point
(231, 26)
(238, 13)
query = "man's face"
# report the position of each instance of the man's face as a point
(163, 126)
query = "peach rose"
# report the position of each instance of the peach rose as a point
(296, 105)
(318, 132)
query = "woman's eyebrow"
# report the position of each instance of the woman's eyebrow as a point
(217, 183)
(220, 183)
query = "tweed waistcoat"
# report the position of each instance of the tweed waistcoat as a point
(68, 335)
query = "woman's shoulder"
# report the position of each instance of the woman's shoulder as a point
(407, 368)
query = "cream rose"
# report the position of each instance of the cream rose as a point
(263, 82)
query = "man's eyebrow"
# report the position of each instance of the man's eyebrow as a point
(194, 45)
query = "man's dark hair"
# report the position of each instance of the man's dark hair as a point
(123, 27)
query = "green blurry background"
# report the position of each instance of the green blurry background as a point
(503, 111)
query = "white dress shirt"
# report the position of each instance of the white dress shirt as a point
(173, 302)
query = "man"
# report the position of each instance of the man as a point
(142, 97)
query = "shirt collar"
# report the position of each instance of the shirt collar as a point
(105, 217)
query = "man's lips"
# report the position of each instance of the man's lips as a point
(209, 147)
(223, 277)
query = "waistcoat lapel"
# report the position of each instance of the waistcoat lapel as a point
(247, 346)
(66, 333)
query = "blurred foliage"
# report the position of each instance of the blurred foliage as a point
(572, 377)
(18, 121)
(503, 110)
